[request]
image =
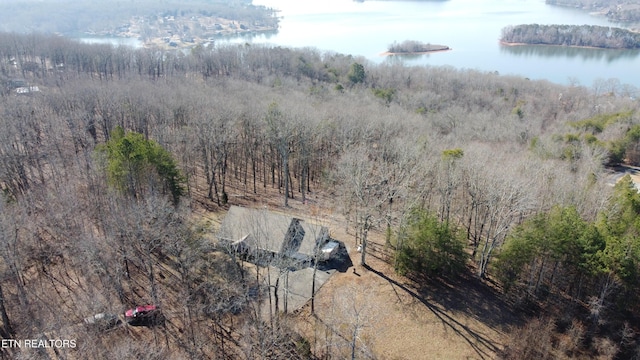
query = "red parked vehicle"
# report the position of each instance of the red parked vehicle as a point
(142, 314)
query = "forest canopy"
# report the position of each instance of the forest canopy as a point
(469, 178)
(136, 166)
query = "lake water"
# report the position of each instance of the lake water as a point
(470, 27)
(115, 41)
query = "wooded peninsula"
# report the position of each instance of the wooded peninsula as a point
(571, 35)
(414, 47)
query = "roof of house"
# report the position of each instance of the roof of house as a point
(260, 228)
(266, 230)
(314, 232)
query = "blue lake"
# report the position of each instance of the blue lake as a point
(471, 28)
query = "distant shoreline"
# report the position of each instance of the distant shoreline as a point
(580, 36)
(502, 42)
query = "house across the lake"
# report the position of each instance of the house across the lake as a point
(265, 236)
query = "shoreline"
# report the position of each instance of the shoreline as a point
(388, 53)
(559, 45)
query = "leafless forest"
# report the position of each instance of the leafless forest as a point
(483, 152)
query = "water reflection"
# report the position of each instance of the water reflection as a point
(115, 41)
(405, 57)
(547, 51)
(248, 37)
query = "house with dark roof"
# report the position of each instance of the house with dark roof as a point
(265, 236)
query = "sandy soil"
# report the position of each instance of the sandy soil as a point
(405, 320)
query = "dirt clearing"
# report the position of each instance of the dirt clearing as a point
(399, 319)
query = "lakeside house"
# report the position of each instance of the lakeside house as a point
(265, 237)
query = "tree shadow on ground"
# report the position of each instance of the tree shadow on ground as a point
(152, 320)
(467, 295)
